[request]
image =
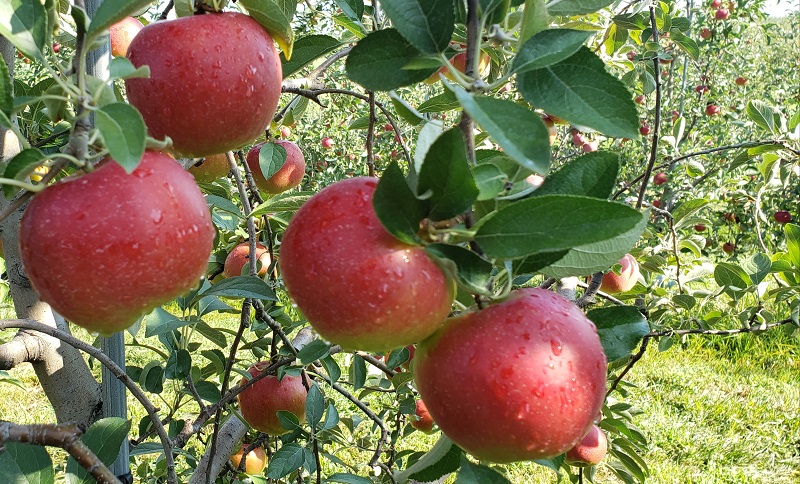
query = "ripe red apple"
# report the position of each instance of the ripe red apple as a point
(640, 99)
(740, 81)
(660, 178)
(644, 130)
(425, 421)
(722, 14)
(701, 89)
(288, 176)
(286, 131)
(519, 380)
(122, 34)
(56, 48)
(578, 139)
(388, 127)
(716, 3)
(240, 255)
(210, 168)
(327, 143)
(625, 280)
(589, 146)
(356, 284)
(728, 247)
(255, 463)
(712, 110)
(782, 217)
(700, 228)
(631, 55)
(214, 84)
(591, 450)
(706, 33)
(260, 402)
(107, 247)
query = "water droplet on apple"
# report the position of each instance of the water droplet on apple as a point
(157, 216)
(555, 345)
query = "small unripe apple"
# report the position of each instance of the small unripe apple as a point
(644, 130)
(722, 14)
(706, 33)
(740, 81)
(625, 280)
(425, 421)
(210, 168)
(288, 176)
(782, 217)
(591, 450)
(728, 247)
(532, 363)
(260, 402)
(660, 178)
(712, 110)
(255, 463)
(122, 34)
(327, 143)
(700, 228)
(240, 256)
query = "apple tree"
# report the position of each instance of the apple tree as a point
(471, 217)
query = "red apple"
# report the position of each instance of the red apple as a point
(327, 143)
(589, 146)
(240, 255)
(675, 115)
(122, 34)
(640, 99)
(519, 380)
(728, 247)
(700, 228)
(701, 89)
(782, 217)
(388, 127)
(631, 55)
(214, 84)
(730, 217)
(706, 33)
(722, 14)
(625, 280)
(660, 178)
(356, 284)
(740, 81)
(644, 130)
(716, 3)
(210, 168)
(288, 176)
(254, 464)
(285, 131)
(578, 139)
(260, 402)
(56, 48)
(424, 422)
(591, 450)
(712, 110)
(107, 247)
(656, 203)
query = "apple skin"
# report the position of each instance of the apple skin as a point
(624, 282)
(644, 130)
(716, 3)
(519, 380)
(782, 217)
(722, 14)
(700, 228)
(660, 178)
(728, 247)
(285, 131)
(212, 168)
(122, 34)
(591, 450)
(589, 146)
(357, 285)
(214, 84)
(290, 174)
(706, 33)
(740, 81)
(425, 422)
(255, 463)
(712, 110)
(125, 244)
(260, 402)
(239, 256)
(327, 143)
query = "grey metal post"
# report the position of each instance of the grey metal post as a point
(112, 390)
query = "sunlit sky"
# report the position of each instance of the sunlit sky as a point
(780, 8)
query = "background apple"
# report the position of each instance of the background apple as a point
(700, 228)
(722, 14)
(107, 247)
(712, 110)
(122, 34)
(285, 131)
(591, 450)
(424, 423)
(210, 168)
(356, 284)
(625, 280)
(740, 81)
(239, 256)
(589, 146)
(660, 178)
(728, 247)
(782, 217)
(327, 143)
(288, 176)
(644, 130)
(706, 33)
(255, 463)
(640, 99)
(260, 402)
(490, 377)
(214, 83)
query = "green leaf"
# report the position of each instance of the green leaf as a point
(352, 8)
(405, 110)
(122, 68)
(315, 405)
(123, 131)
(105, 439)
(580, 90)
(306, 50)
(110, 12)
(519, 131)
(472, 271)
(179, 364)
(732, 278)
(6, 91)
(427, 24)
(686, 43)
(275, 19)
(549, 47)
(396, 206)
(343, 478)
(536, 262)
(160, 321)
(684, 301)
(681, 216)
(443, 458)
(239, 287)
(208, 391)
(552, 222)
(621, 328)
(377, 62)
(24, 23)
(445, 101)
(757, 267)
(285, 202)
(21, 166)
(568, 8)
(446, 174)
(359, 123)
(359, 372)
(490, 180)
(152, 378)
(591, 175)
(478, 474)
(271, 158)
(287, 459)
(313, 351)
(762, 114)
(26, 464)
(332, 367)
(792, 232)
